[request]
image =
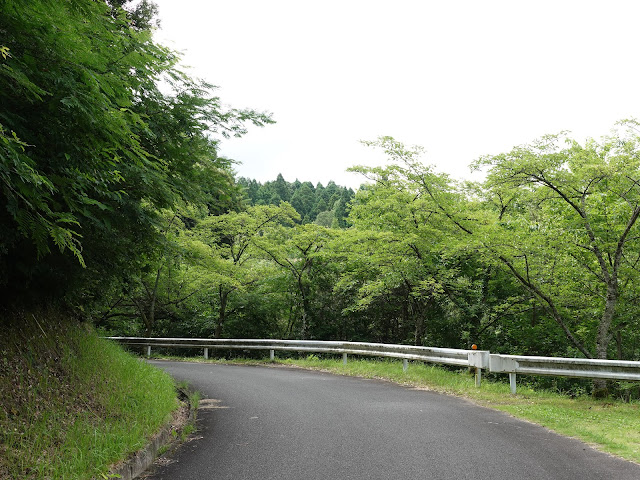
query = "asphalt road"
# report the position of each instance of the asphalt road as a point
(284, 423)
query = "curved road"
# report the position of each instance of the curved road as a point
(284, 423)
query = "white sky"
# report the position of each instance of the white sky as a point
(461, 78)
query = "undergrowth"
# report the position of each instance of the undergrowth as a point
(71, 404)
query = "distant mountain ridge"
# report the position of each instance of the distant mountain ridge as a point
(326, 206)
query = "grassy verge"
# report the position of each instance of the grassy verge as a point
(610, 425)
(71, 404)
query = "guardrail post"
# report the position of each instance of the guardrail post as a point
(512, 383)
(206, 353)
(344, 358)
(272, 355)
(478, 359)
(148, 350)
(405, 364)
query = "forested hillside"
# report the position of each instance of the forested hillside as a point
(325, 206)
(541, 258)
(117, 207)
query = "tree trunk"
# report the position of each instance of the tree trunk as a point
(222, 312)
(619, 344)
(548, 304)
(305, 310)
(603, 338)
(419, 314)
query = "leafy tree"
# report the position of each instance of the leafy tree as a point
(228, 240)
(559, 217)
(309, 201)
(565, 225)
(282, 188)
(404, 246)
(157, 291)
(297, 252)
(91, 149)
(303, 200)
(325, 218)
(418, 252)
(141, 15)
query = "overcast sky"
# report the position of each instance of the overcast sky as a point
(460, 78)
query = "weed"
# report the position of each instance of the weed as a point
(187, 430)
(72, 404)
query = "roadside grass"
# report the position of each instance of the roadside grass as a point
(610, 425)
(194, 403)
(72, 404)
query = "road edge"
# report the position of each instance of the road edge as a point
(139, 462)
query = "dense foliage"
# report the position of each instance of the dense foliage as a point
(99, 132)
(325, 206)
(539, 259)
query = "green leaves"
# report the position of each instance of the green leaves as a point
(568, 232)
(91, 148)
(326, 206)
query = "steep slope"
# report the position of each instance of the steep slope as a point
(72, 404)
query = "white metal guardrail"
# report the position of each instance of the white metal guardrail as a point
(447, 356)
(477, 359)
(563, 367)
